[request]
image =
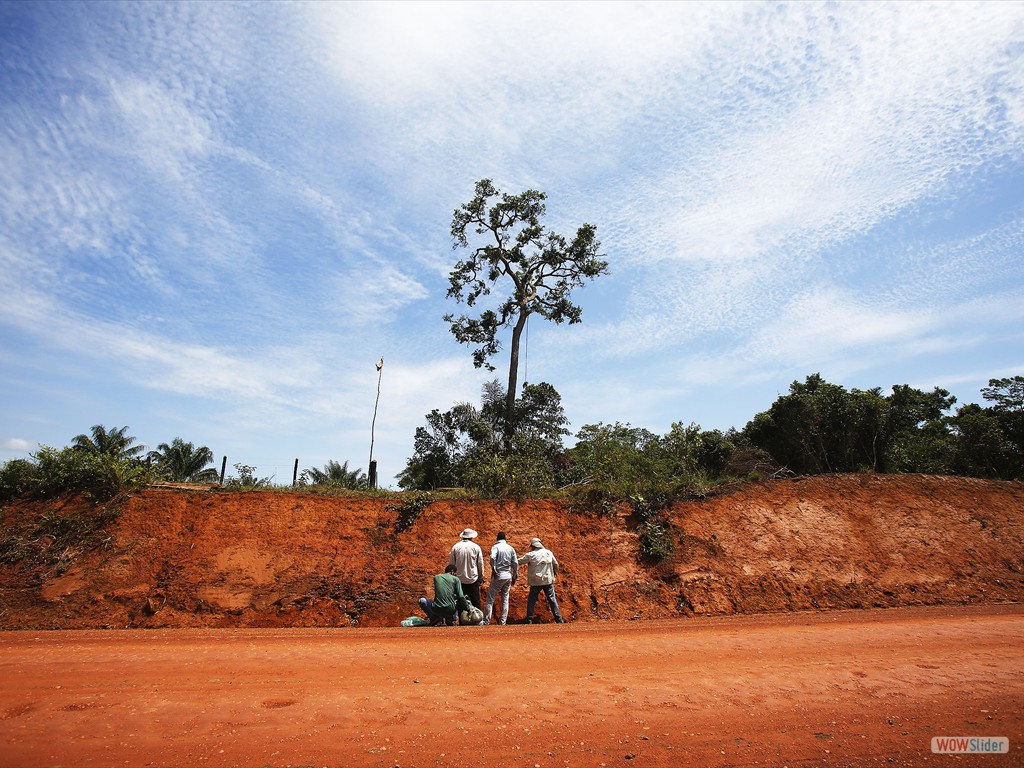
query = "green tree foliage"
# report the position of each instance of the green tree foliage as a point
(692, 452)
(100, 464)
(525, 470)
(182, 462)
(615, 463)
(109, 442)
(821, 427)
(73, 470)
(914, 432)
(1007, 394)
(541, 267)
(1008, 398)
(817, 427)
(336, 475)
(539, 418)
(466, 445)
(440, 448)
(18, 477)
(616, 458)
(981, 447)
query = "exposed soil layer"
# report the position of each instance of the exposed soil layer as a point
(837, 688)
(177, 557)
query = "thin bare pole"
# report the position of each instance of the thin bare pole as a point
(373, 424)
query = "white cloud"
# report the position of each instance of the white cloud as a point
(902, 102)
(824, 323)
(243, 201)
(164, 133)
(372, 291)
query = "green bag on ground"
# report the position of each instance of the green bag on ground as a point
(415, 621)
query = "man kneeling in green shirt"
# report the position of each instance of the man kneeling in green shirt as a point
(448, 599)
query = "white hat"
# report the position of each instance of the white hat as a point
(469, 533)
(536, 543)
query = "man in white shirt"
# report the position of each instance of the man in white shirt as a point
(504, 572)
(542, 568)
(468, 559)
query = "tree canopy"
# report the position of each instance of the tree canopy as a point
(115, 442)
(182, 462)
(463, 446)
(338, 475)
(1007, 394)
(539, 268)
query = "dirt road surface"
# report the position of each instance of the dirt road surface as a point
(847, 688)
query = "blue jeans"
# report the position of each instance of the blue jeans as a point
(427, 606)
(549, 592)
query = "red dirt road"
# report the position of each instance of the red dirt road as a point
(849, 688)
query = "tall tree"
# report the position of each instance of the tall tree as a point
(1008, 398)
(108, 442)
(542, 267)
(1007, 394)
(182, 462)
(982, 448)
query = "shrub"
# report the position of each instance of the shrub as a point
(17, 477)
(654, 531)
(71, 470)
(513, 476)
(656, 542)
(408, 512)
(247, 478)
(597, 501)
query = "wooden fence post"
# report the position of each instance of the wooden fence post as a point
(295, 473)
(223, 466)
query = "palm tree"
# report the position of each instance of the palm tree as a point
(337, 474)
(182, 462)
(113, 442)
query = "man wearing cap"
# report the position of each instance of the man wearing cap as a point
(468, 559)
(542, 567)
(504, 572)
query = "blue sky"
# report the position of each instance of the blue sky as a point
(216, 217)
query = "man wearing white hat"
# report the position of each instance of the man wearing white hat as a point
(468, 559)
(542, 568)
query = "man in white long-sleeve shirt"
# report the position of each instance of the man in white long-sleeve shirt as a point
(542, 568)
(504, 572)
(468, 559)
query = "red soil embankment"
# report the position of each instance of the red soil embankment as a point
(210, 558)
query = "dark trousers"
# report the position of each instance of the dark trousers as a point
(472, 592)
(427, 606)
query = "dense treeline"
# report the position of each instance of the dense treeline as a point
(818, 427)
(821, 427)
